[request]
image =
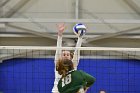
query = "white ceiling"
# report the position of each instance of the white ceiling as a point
(108, 21)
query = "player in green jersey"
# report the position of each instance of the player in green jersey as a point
(72, 81)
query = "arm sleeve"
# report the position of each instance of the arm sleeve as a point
(88, 79)
(57, 56)
(58, 51)
(76, 56)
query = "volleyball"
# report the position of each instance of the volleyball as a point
(79, 29)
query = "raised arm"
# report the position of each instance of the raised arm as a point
(80, 30)
(76, 56)
(61, 28)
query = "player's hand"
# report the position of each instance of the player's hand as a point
(61, 27)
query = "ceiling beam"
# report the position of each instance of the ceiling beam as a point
(4, 2)
(42, 34)
(77, 9)
(33, 32)
(133, 6)
(15, 8)
(112, 34)
(2, 25)
(95, 21)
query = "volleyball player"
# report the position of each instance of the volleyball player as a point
(72, 81)
(65, 54)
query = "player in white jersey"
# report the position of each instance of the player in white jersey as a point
(65, 54)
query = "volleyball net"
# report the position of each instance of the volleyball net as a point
(30, 69)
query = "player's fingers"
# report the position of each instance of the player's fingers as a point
(60, 25)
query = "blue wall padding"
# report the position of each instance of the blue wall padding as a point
(36, 75)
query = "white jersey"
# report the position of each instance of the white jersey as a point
(76, 56)
(75, 60)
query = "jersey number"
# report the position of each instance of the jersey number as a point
(66, 80)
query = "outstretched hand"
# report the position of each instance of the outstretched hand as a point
(61, 27)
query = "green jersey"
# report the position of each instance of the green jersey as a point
(75, 80)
